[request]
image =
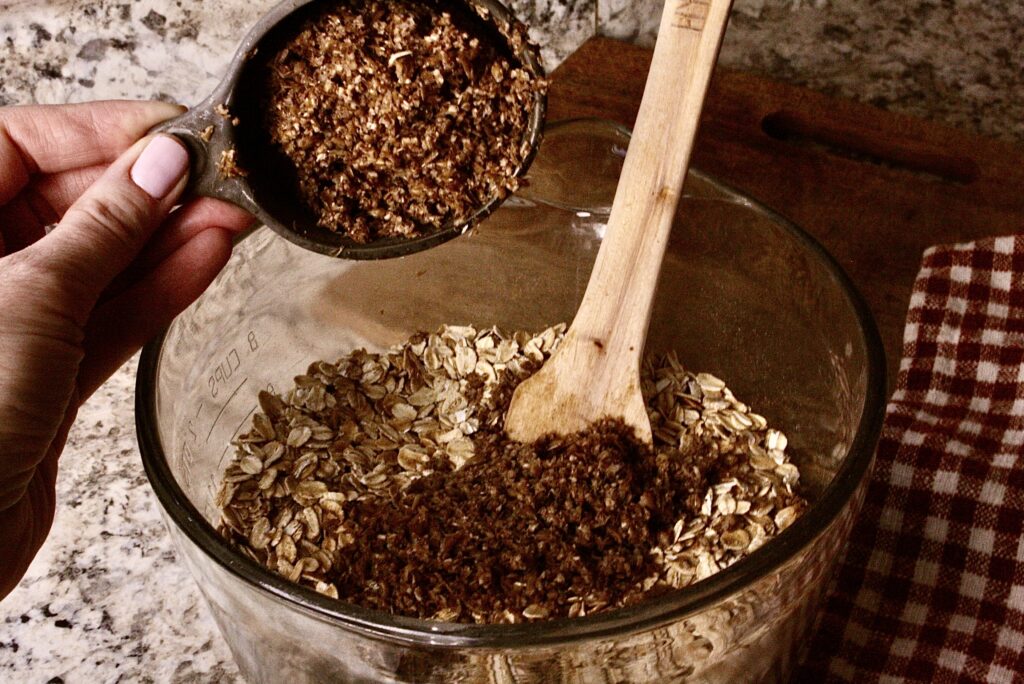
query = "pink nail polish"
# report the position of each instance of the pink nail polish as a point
(160, 166)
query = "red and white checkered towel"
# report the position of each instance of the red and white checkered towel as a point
(932, 585)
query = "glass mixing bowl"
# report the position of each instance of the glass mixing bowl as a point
(743, 294)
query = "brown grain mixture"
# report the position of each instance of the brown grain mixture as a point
(399, 116)
(386, 480)
(522, 527)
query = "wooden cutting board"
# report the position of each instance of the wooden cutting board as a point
(875, 188)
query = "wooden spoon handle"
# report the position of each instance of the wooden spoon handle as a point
(595, 373)
(652, 177)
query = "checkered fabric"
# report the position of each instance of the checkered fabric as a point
(931, 588)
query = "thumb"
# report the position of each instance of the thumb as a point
(104, 230)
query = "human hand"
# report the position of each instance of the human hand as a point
(78, 302)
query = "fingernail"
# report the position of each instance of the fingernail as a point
(160, 166)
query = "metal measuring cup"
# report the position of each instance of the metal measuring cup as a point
(210, 132)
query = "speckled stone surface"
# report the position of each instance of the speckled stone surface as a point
(960, 62)
(106, 600)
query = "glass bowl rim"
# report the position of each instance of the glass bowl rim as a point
(666, 608)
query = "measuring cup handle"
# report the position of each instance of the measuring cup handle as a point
(209, 137)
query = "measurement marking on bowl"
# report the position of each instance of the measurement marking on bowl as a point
(242, 422)
(238, 428)
(229, 365)
(232, 362)
(223, 407)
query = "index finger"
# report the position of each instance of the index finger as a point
(54, 138)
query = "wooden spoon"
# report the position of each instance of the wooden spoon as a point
(595, 373)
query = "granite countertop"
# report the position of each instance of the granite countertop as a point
(106, 600)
